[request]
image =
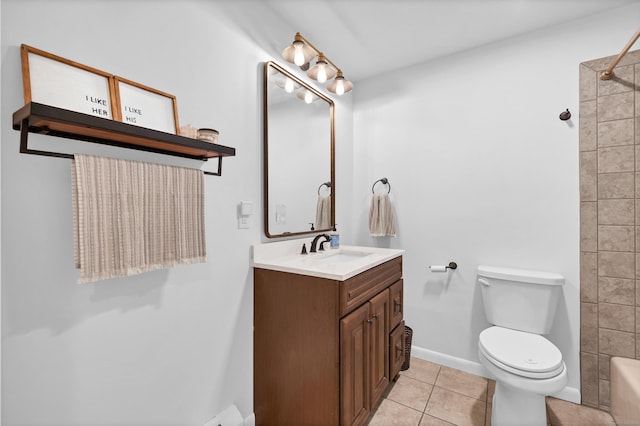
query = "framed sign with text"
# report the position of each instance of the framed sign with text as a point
(52, 80)
(146, 107)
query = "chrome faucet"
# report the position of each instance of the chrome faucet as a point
(314, 243)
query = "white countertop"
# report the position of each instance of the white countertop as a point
(336, 264)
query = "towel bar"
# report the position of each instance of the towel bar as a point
(384, 181)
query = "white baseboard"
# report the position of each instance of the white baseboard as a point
(570, 394)
(450, 361)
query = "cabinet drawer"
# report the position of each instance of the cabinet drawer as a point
(396, 350)
(357, 290)
(397, 304)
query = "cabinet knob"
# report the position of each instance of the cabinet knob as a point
(375, 316)
(370, 321)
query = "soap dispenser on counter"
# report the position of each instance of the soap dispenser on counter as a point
(335, 238)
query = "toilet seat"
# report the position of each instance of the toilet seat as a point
(521, 353)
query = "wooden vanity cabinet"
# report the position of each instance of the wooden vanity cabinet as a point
(324, 350)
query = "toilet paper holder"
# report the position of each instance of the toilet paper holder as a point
(443, 268)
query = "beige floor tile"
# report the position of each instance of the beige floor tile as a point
(563, 413)
(455, 408)
(391, 413)
(422, 370)
(428, 420)
(411, 392)
(463, 382)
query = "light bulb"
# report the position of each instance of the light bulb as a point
(288, 86)
(339, 86)
(308, 97)
(298, 57)
(322, 73)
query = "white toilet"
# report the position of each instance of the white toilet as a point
(521, 304)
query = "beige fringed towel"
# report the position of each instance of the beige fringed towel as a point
(381, 220)
(323, 212)
(131, 217)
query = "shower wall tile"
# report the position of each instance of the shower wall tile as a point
(611, 185)
(588, 277)
(609, 291)
(616, 264)
(617, 343)
(589, 378)
(588, 315)
(588, 84)
(589, 176)
(617, 290)
(616, 238)
(616, 133)
(600, 64)
(589, 340)
(616, 107)
(588, 126)
(604, 366)
(616, 317)
(637, 81)
(603, 394)
(616, 212)
(588, 226)
(623, 81)
(616, 159)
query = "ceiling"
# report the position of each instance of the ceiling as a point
(370, 37)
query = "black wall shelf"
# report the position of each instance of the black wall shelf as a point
(48, 120)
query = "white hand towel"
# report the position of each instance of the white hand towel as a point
(323, 212)
(381, 220)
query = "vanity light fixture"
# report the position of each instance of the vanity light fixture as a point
(322, 71)
(301, 52)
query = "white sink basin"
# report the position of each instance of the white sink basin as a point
(338, 264)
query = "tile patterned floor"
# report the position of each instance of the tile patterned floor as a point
(429, 394)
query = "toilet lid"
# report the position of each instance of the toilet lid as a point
(528, 354)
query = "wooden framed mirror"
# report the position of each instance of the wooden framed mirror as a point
(299, 156)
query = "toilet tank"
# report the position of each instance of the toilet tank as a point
(520, 299)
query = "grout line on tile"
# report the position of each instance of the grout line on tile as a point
(451, 390)
(405, 405)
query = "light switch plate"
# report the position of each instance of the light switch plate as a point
(246, 208)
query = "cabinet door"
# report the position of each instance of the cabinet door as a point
(396, 349)
(396, 304)
(379, 366)
(354, 363)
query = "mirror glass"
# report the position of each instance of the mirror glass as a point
(299, 175)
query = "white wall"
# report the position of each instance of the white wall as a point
(482, 172)
(162, 348)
